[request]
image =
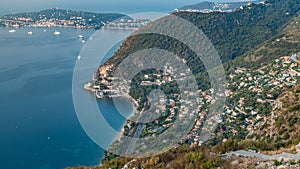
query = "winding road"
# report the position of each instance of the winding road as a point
(283, 155)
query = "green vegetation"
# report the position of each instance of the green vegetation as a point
(282, 130)
(232, 34)
(287, 41)
(183, 157)
(277, 163)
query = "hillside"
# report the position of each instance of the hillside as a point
(208, 156)
(287, 41)
(232, 34)
(283, 124)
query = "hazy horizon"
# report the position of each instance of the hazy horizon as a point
(120, 6)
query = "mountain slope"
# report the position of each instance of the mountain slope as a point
(287, 41)
(283, 124)
(232, 34)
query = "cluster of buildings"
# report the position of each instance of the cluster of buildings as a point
(167, 105)
(43, 21)
(252, 94)
(216, 7)
(126, 24)
(168, 108)
(172, 107)
(74, 22)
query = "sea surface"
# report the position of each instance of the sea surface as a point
(38, 123)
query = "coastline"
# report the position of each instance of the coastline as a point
(71, 27)
(88, 87)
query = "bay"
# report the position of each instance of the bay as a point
(38, 124)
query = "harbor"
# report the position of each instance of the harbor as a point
(102, 93)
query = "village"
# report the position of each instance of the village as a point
(250, 98)
(251, 95)
(64, 18)
(74, 22)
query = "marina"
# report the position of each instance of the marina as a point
(102, 93)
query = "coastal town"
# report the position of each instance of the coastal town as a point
(126, 24)
(209, 7)
(251, 94)
(73, 19)
(259, 87)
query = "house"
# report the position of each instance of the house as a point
(259, 116)
(250, 128)
(294, 57)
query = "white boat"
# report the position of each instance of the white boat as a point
(12, 31)
(29, 33)
(80, 36)
(56, 33)
(83, 41)
(79, 57)
(45, 30)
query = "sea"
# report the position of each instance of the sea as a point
(39, 126)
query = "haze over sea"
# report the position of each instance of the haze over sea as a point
(124, 6)
(38, 123)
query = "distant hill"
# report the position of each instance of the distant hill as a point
(213, 6)
(60, 17)
(199, 6)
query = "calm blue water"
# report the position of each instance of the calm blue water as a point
(38, 125)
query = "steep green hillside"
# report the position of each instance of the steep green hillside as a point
(287, 41)
(282, 128)
(232, 34)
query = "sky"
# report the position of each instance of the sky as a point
(121, 6)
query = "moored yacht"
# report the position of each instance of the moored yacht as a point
(56, 33)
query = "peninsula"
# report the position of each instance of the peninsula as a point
(60, 17)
